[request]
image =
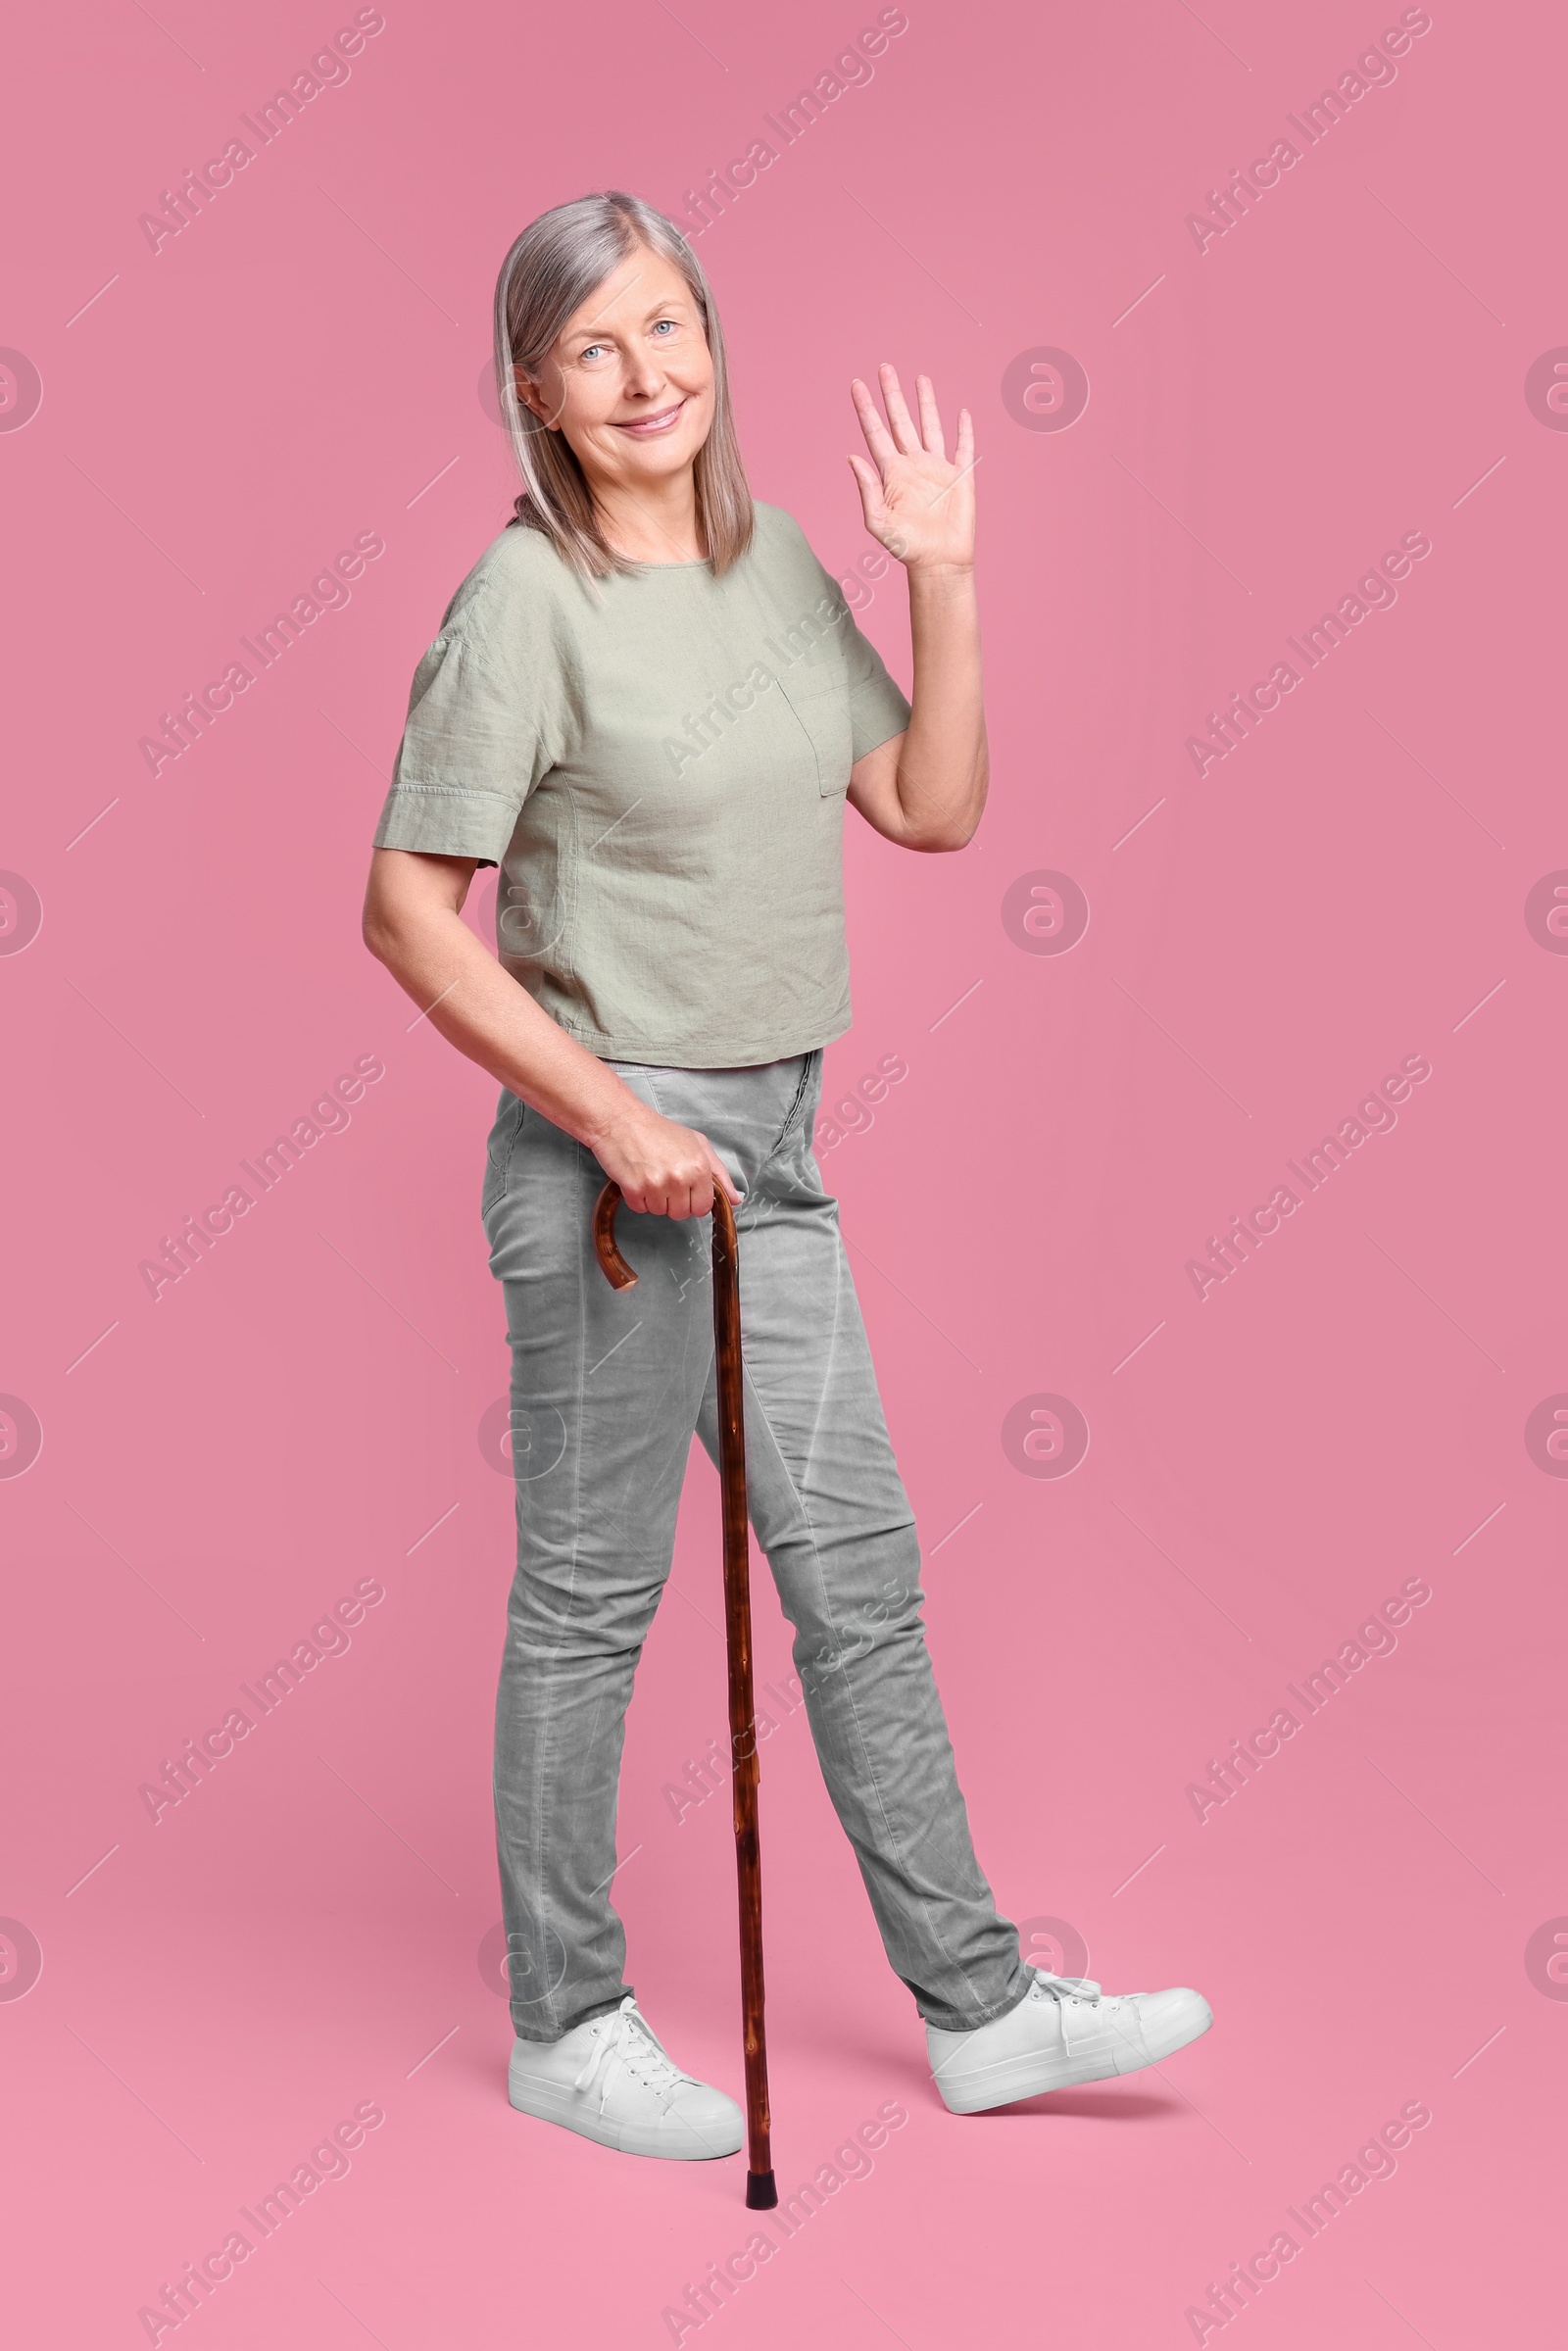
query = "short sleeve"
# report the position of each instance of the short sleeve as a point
(878, 709)
(483, 725)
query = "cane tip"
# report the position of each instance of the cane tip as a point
(762, 2193)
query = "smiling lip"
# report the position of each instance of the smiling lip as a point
(648, 425)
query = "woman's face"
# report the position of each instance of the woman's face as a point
(630, 381)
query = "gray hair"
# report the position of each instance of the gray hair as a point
(549, 273)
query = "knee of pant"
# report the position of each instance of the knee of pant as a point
(823, 1650)
(549, 1629)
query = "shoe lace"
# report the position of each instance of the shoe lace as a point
(628, 2044)
(1062, 1989)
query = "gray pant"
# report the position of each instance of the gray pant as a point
(607, 1390)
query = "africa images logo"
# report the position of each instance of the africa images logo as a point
(20, 390)
(1045, 1436)
(1043, 389)
(21, 913)
(20, 1960)
(1375, 1114)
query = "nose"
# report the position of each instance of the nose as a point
(642, 378)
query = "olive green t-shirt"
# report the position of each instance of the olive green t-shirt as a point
(659, 773)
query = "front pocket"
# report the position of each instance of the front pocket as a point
(820, 701)
(498, 1155)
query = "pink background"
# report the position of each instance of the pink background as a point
(1265, 1465)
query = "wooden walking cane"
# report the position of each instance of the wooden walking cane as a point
(762, 2193)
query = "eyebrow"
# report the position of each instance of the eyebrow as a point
(655, 310)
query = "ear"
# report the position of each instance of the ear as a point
(529, 396)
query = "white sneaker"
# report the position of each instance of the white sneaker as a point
(1064, 2032)
(614, 2082)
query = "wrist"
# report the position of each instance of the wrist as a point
(941, 576)
(607, 1118)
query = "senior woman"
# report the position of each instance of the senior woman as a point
(648, 705)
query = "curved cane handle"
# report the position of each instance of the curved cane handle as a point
(611, 1264)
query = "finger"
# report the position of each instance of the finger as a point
(963, 454)
(898, 417)
(930, 417)
(717, 1168)
(726, 1182)
(869, 484)
(878, 439)
(701, 1197)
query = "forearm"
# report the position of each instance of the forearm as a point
(480, 1008)
(943, 765)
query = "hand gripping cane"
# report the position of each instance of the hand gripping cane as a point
(760, 2191)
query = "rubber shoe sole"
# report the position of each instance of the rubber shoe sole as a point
(1170, 2020)
(679, 2138)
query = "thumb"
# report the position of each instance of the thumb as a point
(724, 1178)
(869, 484)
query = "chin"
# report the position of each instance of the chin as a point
(668, 457)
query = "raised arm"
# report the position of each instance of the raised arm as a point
(926, 788)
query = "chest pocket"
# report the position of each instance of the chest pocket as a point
(818, 693)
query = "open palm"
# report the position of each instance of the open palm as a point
(919, 505)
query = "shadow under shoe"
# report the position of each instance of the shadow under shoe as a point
(1064, 2032)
